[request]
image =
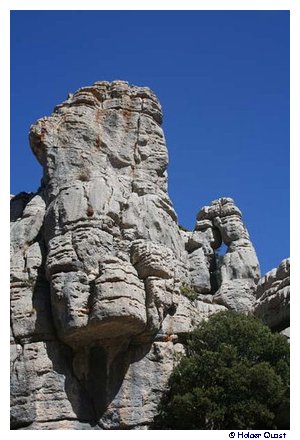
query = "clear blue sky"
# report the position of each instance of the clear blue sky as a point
(222, 78)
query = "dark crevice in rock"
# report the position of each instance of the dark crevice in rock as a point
(14, 425)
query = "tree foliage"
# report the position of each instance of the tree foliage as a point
(235, 375)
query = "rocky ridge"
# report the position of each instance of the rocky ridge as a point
(105, 286)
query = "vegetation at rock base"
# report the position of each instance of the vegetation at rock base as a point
(235, 376)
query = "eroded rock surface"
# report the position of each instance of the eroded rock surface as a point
(105, 286)
(232, 277)
(272, 304)
(109, 222)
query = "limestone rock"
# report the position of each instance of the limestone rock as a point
(189, 314)
(62, 425)
(105, 286)
(135, 403)
(236, 295)
(31, 318)
(237, 272)
(39, 391)
(26, 224)
(200, 271)
(201, 246)
(162, 298)
(104, 159)
(272, 304)
(97, 258)
(152, 259)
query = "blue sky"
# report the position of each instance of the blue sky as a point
(222, 78)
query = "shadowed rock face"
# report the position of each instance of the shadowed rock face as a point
(105, 286)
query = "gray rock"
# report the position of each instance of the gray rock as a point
(104, 159)
(149, 368)
(201, 247)
(105, 286)
(238, 270)
(272, 304)
(200, 271)
(236, 295)
(43, 388)
(31, 318)
(62, 424)
(188, 315)
(97, 260)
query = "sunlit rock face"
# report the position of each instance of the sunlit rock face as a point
(272, 304)
(105, 286)
(231, 277)
(109, 222)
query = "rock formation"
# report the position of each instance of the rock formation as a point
(105, 285)
(272, 304)
(238, 270)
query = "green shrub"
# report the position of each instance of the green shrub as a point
(235, 376)
(187, 291)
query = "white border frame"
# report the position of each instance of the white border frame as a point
(294, 6)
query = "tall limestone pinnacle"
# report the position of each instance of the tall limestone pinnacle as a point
(104, 283)
(110, 226)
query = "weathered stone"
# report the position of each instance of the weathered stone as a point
(43, 387)
(31, 318)
(238, 270)
(118, 303)
(201, 245)
(162, 297)
(200, 271)
(272, 305)
(149, 368)
(96, 207)
(101, 245)
(62, 424)
(24, 232)
(26, 228)
(188, 315)
(236, 295)
(152, 259)
(100, 267)
(17, 205)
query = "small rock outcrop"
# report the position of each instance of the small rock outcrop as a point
(231, 277)
(272, 304)
(105, 286)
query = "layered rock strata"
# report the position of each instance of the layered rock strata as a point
(272, 304)
(232, 277)
(105, 286)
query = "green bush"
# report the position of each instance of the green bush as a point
(187, 291)
(235, 376)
